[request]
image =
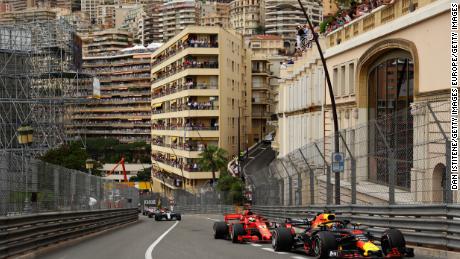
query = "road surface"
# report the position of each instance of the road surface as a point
(189, 239)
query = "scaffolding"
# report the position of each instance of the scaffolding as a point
(40, 81)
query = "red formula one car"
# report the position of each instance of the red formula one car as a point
(243, 227)
(326, 237)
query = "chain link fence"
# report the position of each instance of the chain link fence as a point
(401, 158)
(32, 186)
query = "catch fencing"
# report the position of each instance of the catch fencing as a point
(399, 158)
(29, 185)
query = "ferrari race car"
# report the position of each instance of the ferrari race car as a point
(243, 227)
(326, 237)
(165, 214)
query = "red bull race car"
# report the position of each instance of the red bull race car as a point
(245, 227)
(326, 237)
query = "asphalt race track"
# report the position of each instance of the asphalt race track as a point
(191, 238)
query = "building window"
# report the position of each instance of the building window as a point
(334, 81)
(351, 78)
(342, 85)
(391, 92)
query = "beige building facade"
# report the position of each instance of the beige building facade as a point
(106, 42)
(200, 90)
(215, 13)
(123, 109)
(246, 16)
(383, 64)
(266, 55)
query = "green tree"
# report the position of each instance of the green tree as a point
(260, 29)
(231, 187)
(72, 156)
(142, 176)
(213, 159)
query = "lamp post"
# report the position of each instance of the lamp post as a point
(25, 138)
(89, 164)
(331, 93)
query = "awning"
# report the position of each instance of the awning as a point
(173, 102)
(156, 105)
(173, 139)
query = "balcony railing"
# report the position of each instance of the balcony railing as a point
(184, 128)
(185, 107)
(185, 147)
(196, 44)
(184, 87)
(370, 19)
(173, 71)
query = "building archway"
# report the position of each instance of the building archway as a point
(438, 184)
(387, 83)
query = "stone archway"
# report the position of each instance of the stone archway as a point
(369, 57)
(438, 184)
(384, 53)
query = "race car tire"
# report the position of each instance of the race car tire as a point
(393, 238)
(237, 230)
(157, 218)
(220, 230)
(282, 239)
(323, 242)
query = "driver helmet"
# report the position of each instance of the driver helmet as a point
(252, 219)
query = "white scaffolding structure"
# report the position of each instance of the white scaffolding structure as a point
(40, 81)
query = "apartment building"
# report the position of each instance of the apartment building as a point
(329, 8)
(106, 42)
(90, 7)
(29, 15)
(284, 21)
(123, 109)
(19, 5)
(105, 16)
(246, 16)
(301, 99)
(200, 97)
(176, 15)
(266, 55)
(149, 25)
(215, 13)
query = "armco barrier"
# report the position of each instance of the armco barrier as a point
(23, 233)
(423, 225)
(205, 209)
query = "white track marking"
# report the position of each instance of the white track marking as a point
(298, 257)
(256, 244)
(271, 250)
(213, 219)
(148, 253)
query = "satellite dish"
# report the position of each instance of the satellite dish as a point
(92, 201)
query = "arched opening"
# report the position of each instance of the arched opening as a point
(438, 185)
(390, 83)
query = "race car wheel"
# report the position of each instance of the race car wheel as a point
(393, 238)
(157, 218)
(237, 230)
(220, 230)
(282, 239)
(178, 217)
(323, 242)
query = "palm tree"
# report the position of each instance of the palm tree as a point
(213, 159)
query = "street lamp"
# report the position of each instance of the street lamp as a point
(25, 138)
(89, 164)
(331, 95)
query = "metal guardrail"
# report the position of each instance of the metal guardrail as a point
(24, 233)
(423, 225)
(205, 209)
